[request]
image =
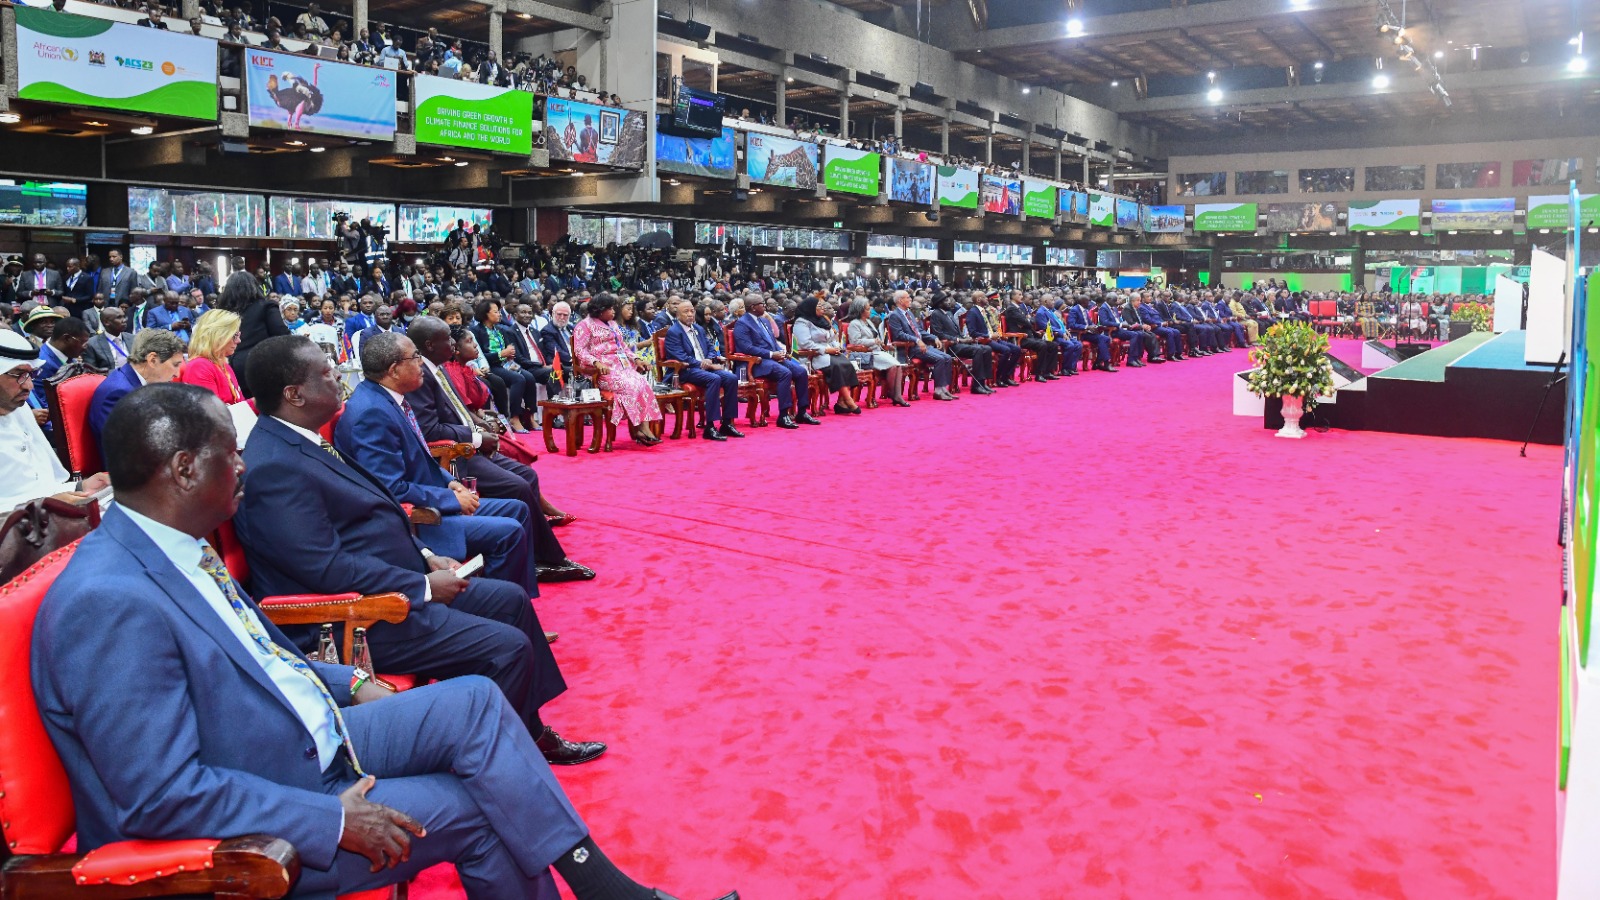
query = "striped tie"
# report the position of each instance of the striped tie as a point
(211, 564)
(331, 451)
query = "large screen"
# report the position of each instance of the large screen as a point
(1074, 205)
(1224, 217)
(966, 251)
(432, 224)
(308, 219)
(1385, 215)
(58, 203)
(476, 116)
(910, 181)
(1474, 215)
(1063, 256)
(782, 161)
(1001, 196)
(302, 93)
(1038, 199)
(958, 188)
(197, 213)
(1102, 210)
(1164, 219)
(852, 171)
(886, 246)
(588, 133)
(1287, 217)
(81, 61)
(708, 157)
(1127, 214)
(698, 111)
(1554, 210)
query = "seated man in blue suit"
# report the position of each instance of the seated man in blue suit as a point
(1007, 354)
(67, 342)
(1071, 349)
(171, 314)
(379, 432)
(753, 336)
(181, 712)
(1169, 340)
(1111, 321)
(315, 523)
(688, 343)
(903, 329)
(156, 358)
(1081, 325)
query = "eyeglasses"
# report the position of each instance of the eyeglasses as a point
(19, 377)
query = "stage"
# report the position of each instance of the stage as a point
(1475, 386)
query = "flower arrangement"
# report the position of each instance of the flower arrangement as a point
(1481, 315)
(1291, 361)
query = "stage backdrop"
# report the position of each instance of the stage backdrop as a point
(476, 116)
(589, 133)
(1038, 199)
(302, 93)
(958, 188)
(81, 61)
(852, 171)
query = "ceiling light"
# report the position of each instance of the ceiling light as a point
(1317, 64)
(1211, 76)
(1594, 231)
(1027, 90)
(1415, 233)
(1115, 82)
(461, 162)
(1214, 95)
(447, 159)
(9, 118)
(318, 149)
(1452, 232)
(1380, 81)
(1438, 54)
(790, 79)
(1074, 27)
(1578, 64)
(1544, 231)
(96, 124)
(524, 16)
(1499, 231)
(144, 129)
(297, 143)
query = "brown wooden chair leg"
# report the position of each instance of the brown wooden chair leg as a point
(574, 426)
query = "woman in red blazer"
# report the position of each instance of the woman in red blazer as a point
(216, 336)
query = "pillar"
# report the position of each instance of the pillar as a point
(944, 137)
(1027, 150)
(497, 21)
(988, 146)
(898, 111)
(844, 112)
(781, 99)
(1358, 268)
(1086, 171)
(1059, 149)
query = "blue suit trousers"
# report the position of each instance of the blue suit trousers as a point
(722, 392)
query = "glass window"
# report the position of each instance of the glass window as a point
(1261, 181)
(1202, 184)
(1327, 181)
(1454, 176)
(1396, 178)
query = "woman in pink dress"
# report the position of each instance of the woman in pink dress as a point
(598, 342)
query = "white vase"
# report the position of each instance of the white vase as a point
(1293, 409)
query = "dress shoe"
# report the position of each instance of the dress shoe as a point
(942, 394)
(899, 402)
(1136, 365)
(980, 389)
(786, 422)
(727, 430)
(806, 418)
(711, 434)
(550, 637)
(656, 894)
(558, 751)
(566, 570)
(1112, 369)
(839, 409)
(563, 519)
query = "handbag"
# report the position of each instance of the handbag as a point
(39, 527)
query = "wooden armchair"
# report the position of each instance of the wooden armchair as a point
(448, 453)
(686, 398)
(752, 390)
(867, 393)
(69, 423)
(815, 383)
(37, 816)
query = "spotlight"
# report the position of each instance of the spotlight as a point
(1027, 90)
(1380, 81)
(318, 149)
(1115, 82)
(9, 118)
(144, 129)
(1578, 64)
(461, 162)
(1317, 64)
(1074, 27)
(1214, 95)
(1438, 54)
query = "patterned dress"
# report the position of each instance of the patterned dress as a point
(596, 341)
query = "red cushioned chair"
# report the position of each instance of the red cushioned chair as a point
(691, 398)
(752, 390)
(814, 380)
(69, 423)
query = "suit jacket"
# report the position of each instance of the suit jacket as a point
(27, 284)
(554, 343)
(310, 524)
(286, 285)
(1109, 316)
(101, 355)
(114, 388)
(977, 325)
(1078, 318)
(78, 292)
(678, 347)
(902, 328)
(374, 434)
(222, 754)
(526, 348)
(945, 326)
(753, 336)
(117, 285)
(435, 413)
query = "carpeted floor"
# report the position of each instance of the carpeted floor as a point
(1095, 638)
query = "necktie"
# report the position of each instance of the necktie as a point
(412, 418)
(211, 564)
(331, 451)
(450, 391)
(695, 343)
(116, 344)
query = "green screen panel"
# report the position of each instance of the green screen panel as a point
(1447, 279)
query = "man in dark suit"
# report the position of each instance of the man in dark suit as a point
(688, 343)
(530, 355)
(1147, 319)
(77, 288)
(903, 329)
(1083, 327)
(1019, 320)
(156, 358)
(313, 522)
(66, 345)
(40, 283)
(287, 282)
(946, 328)
(117, 280)
(1111, 321)
(555, 339)
(382, 323)
(379, 432)
(752, 336)
(108, 349)
(194, 716)
(343, 281)
(1068, 348)
(1007, 353)
(443, 416)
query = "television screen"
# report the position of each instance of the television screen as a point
(588, 133)
(43, 203)
(1001, 196)
(198, 213)
(1289, 217)
(1164, 220)
(432, 224)
(1074, 205)
(1127, 213)
(708, 157)
(698, 111)
(958, 188)
(1385, 215)
(910, 181)
(782, 161)
(1474, 215)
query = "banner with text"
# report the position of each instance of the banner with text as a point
(1385, 215)
(958, 188)
(81, 61)
(852, 171)
(1474, 215)
(301, 93)
(1224, 217)
(1555, 211)
(476, 116)
(1102, 210)
(1038, 199)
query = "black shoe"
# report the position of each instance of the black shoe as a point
(807, 418)
(558, 751)
(980, 389)
(727, 430)
(566, 570)
(786, 422)
(1112, 369)
(1135, 364)
(710, 434)
(655, 894)
(839, 409)
(902, 403)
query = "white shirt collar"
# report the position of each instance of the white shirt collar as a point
(399, 399)
(184, 550)
(311, 436)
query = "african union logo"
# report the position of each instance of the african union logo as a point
(69, 54)
(97, 57)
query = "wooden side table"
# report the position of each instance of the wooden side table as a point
(575, 414)
(675, 404)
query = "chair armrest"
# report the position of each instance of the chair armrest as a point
(673, 364)
(421, 515)
(257, 866)
(447, 452)
(314, 609)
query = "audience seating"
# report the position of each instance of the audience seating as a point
(814, 380)
(693, 397)
(752, 390)
(69, 423)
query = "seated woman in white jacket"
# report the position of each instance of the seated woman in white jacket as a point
(814, 330)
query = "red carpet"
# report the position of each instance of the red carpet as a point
(1095, 638)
